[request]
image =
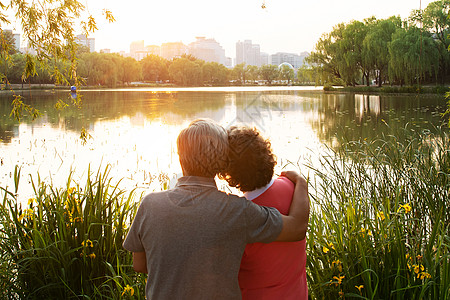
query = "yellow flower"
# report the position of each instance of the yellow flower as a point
(423, 275)
(381, 215)
(363, 232)
(70, 190)
(419, 257)
(359, 287)
(341, 294)
(331, 246)
(339, 279)
(31, 201)
(128, 288)
(87, 243)
(325, 249)
(27, 213)
(338, 264)
(92, 255)
(406, 207)
(418, 268)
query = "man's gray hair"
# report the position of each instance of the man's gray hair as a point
(203, 148)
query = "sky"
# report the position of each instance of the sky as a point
(283, 26)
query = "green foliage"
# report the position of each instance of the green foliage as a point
(67, 243)
(376, 51)
(154, 68)
(287, 73)
(379, 228)
(49, 27)
(413, 56)
(215, 73)
(269, 73)
(185, 71)
(388, 50)
(239, 73)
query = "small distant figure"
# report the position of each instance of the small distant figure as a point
(73, 88)
(263, 5)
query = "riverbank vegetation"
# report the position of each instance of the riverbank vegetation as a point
(379, 228)
(390, 51)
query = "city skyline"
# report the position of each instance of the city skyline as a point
(284, 25)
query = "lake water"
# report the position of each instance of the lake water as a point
(135, 130)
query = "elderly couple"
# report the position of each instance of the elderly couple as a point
(196, 242)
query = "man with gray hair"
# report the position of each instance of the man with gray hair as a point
(190, 239)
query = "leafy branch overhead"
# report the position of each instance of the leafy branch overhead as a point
(50, 28)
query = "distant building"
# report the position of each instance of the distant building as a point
(153, 49)
(248, 53)
(82, 39)
(228, 62)
(264, 58)
(16, 37)
(208, 50)
(138, 51)
(171, 50)
(136, 48)
(282, 57)
(105, 51)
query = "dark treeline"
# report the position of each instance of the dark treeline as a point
(385, 51)
(111, 70)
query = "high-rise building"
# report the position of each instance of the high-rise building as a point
(153, 49)
(16, 37)
(248, 53)
(264, 58)
(171, 50)
(208, 50)
(82, 39)
(281, 57)
(135, 48)
(138, 51)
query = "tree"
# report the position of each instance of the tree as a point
(252, 72)
(130, 69)
(413, 56)
(154, 68)
(214, 73)
(286, 73)
(375, 47)
(324, 59)
(239, 73)
(434, 19)
(49, 26)
(269, 73)
(184, 71)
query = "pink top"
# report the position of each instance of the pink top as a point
(276, 270)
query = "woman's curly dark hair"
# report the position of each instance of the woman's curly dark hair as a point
(251, 161)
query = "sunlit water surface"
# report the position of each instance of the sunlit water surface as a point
(134, 131)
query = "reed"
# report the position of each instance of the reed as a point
(379, 228)
(380, 224)
(67, 243)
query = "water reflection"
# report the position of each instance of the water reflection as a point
(135, 131)
(367, 105)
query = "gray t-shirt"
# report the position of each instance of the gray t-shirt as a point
(194, 236)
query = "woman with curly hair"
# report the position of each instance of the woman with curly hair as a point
(275, 270)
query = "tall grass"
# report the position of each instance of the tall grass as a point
(67, 243)
(379, 228)
(380, 225)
